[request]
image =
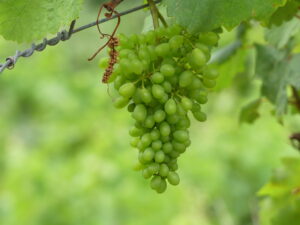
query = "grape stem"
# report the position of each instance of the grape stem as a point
(154, 13)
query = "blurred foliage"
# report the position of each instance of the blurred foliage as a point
(65, 157)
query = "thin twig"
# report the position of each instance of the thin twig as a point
(61, 36)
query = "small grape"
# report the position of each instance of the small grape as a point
(173, 178)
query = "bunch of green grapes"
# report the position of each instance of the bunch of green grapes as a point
(161, 77)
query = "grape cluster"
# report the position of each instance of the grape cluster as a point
(161, 76)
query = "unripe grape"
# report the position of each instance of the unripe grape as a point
(134, 142)
(167, 147)
(145, 95)
(148, 155)
(154, 168)
(176, 42)
(162, 50)
(162, 187)
(155, 182)
(210, 73)
(186, 78)
(209, 38)
(136, 66)
(157, 78)
(181, 135)
(209, 83)
(146, 173)
(146, 140)
(197, 58)
(200, 116)
(159, 156)
(178, 147)
(127, 90)
(149, 121)
(130, 107)
(155, 134)
(186, 103)
(159, 116)
(139, 113)
(119, 81)
(158, 91)
(167, 70)
(163, 170)
(164, 129)
(121, 102)
(173, 178)
(136, 132)
(173, 119)
(156, 145)
(167, 86)
(170, 106)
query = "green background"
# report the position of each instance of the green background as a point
(65, 157)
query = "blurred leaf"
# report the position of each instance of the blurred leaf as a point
(229, 69)
(277, 72)
(249, 113)
(280, 36)
(26, 20)
(207, 15)
(287, 12)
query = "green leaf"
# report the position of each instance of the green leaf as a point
(281, 35)
(249, 113)
(277, 71)
(207, 15)
(284, 13)
(29, 20)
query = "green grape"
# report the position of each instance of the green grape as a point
(164, 98)
(162, 50)
(181, 135)
(145, 95)
(155, 182)
(209, 83)
(118, 82)
(121, 102)
(178, 147)
(136, 66)
(186, 78)
(146, 140)
(146, 173)
(209, 38)
(159, 116)
(200, 116)
(157, 78)
(173, 167)
(127, 90)
(139, 113)
(165, 138)
(156, 145)
(162, 187)
(196, 83)
(148, 155)
(149, 121)
(134, 142)
(197, 58)
(136, 132)
(154, 168)
(164, 129)
(167, 86)
(170, 106)
(210, 73)
(167, 147)
(167, 70)
(155, 134)
(173, 119)
(173, 178)
(174, 154)
(130, 107)
(186, 103)
(158, 91)
(159, 156)
(125, 66)
(176, 42)
(163, 170)
(150, 37)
